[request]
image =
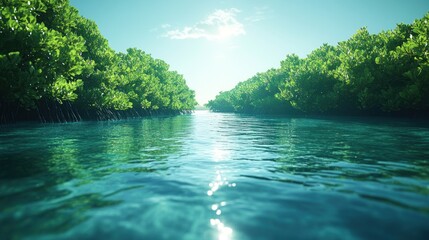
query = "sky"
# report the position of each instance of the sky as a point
(216, 44)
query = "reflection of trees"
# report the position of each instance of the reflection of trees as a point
(337, 154)
(340, 154)
(116, 147)
(371, 151)
(87, 150)
(36, 162)
(144, 146)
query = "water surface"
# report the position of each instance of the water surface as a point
(216, 176)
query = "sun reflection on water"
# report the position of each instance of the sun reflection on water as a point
(220, 154)
(224, 232)
(219, 182)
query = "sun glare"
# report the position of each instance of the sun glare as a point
(220, 154)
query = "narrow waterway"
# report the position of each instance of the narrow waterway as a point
(216, 176)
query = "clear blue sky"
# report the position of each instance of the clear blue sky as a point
(216, 44)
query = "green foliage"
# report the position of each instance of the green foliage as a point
(385, 72)
(222, 103)
(48, 52)
(311, 86)
(150, 85)
(256, 95)
(36, 60)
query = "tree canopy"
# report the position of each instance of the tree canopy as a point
(386, 72)
(49, 54)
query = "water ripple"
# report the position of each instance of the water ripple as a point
(216, 176)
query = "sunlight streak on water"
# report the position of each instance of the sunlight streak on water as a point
(220, 154)
(224, 232)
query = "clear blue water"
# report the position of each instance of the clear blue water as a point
(216, 176)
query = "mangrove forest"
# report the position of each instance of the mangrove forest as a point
(55, 66)
(369, 74)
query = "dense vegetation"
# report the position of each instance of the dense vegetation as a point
(56, 66)
(369, 73)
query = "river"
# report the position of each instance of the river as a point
(216, 176)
